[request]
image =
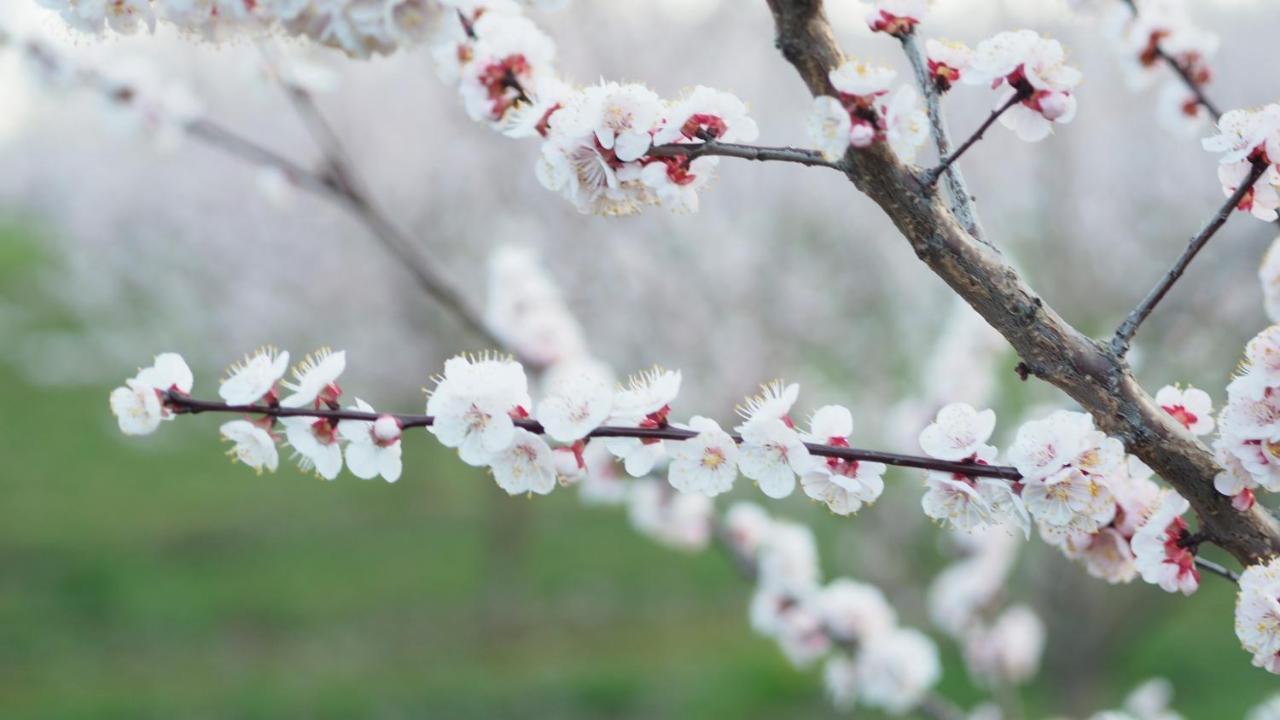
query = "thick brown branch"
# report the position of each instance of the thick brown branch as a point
(187, 405)
(1051, 348)
(1124, 334)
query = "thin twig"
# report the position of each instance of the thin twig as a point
(811, 158)
(188, 405)
(1124, 334)
(962, 204)
(1195, 87)
(1217, 569)
(931, 176)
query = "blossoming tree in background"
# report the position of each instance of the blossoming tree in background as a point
(1116, 483)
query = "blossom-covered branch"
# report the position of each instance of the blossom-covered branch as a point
(184, 404)
(1240, 195)
(1152, 31)
(800, 156)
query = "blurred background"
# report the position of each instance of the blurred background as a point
(150, 578)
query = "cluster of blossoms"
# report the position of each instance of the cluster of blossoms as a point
(600, 142)
(359, 28)
(1248, 139)
(1164, 27)
(372, 446)
(870, 659)
(1248, 444)
(1002, 647)
(1087, 498)
(1258, 614)
(864, 113)
(1028, 69)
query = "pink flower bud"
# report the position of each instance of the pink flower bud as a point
(1055, 105)
(861, 135)
(386, 430)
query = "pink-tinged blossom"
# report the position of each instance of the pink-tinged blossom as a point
(473, 405)
(251, 445)
(139, 405)
(315, 380)
(843, 485)
(896, 669)
(856, 118)
(1245, 135)
(853, 611)
(254, 378)
(746, 528)
(1158, 551)
(1191, 407)
(645, 402)
(896, 17)
(772, 452)
(525, 465)
(1032, 67)
(373, 446)
(678, 520)
(315, 445)
(706, 463)
(592, 153)
(576, 405)
(1262, 199)
(1257, 618)
(1009, 650)
(507, 59)
(948, 62)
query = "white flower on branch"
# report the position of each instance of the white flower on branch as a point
(968, 503)
(254, 378)
(1158, 552)
(1031, 68)
(1246, 134)
(509, 56)
(896, 17)
(959, 433)
(645, 402)
(1190, 406)
(843, 485)
(138, 405)
(706, 463)
(526, 465)
(706, 114)
(576, 405)
(1248, 444)
(1258, 614)
(373, 446)
(1262, 199)
(948, 62)
(772, 452)
(315, 445)
(473, 404)
(315, 380)
(253, 445)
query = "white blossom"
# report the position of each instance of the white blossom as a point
(473, 403)
(1258, 614)
(254, 378)
(373, 446)
(1190, 406)
(896, 669)
(1158, 556)
(854, 611)
(316, 380)
(525, 465)
(843, 485)
(253, 445)
(678, 520)
(1025, 63)
(315, 445)
(644, 402)
(576, 405)
(704, 464)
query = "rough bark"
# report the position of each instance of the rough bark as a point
(1050, 348)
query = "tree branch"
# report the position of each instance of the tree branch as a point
(1051, 348)
(962, 202)
(1182, 73)
(812, 158)
(931, 176)
(183, 404)
(1124, 334)
(1217, 569)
